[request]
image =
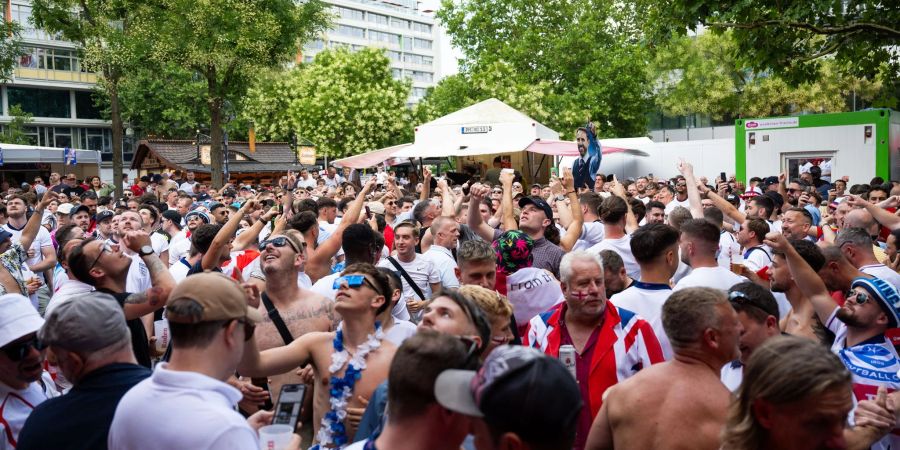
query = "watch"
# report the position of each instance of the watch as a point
(560, 198)
(145, 250)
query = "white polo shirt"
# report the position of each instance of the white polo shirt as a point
(174, 409)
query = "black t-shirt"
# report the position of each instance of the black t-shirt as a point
(198, 268)
(139, 341)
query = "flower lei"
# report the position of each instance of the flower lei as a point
(332, 429)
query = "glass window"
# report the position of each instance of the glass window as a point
(85, 107)
(32, 134)
(316, 45)
(393, 56)
(349, 13)
(407, 43)
(425, 77)
(422, 43)
(41, 102)
(380, 36)
(421, 27)
(378, 18)
(347, 30)
(397, 73)
(418, 92)
(62, 137)
(399, 23)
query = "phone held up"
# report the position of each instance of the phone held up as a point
(290, 400)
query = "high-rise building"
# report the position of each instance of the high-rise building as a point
(409, 37)
(50, 83)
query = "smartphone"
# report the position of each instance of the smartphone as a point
(368, 213)
(722, 177)
(290, 400)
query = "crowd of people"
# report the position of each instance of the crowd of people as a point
(587, 313)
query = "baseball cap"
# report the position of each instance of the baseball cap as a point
(157, 178)
(104, 215)
(768, 181)
(203, 216)
(376, 207)
(518, 389)
(84, 324)
(65, 208)
(220, 297)
(887, 296)
(538, 203)
(229, 193)
(78, 209)
(17, 318)
(145, 178)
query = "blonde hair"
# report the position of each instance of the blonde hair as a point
(771, 375)
(496, 306)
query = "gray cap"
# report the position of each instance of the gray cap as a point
(85, 324)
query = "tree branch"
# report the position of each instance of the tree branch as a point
(824, 30)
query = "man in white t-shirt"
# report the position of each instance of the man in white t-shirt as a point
(421, 270)
(614, 211)
(750, 237)
(181, 249)
(23, 382)
(655, 248)
(699, 244)
(138, 279)
(758, 312)
(188, 185)
(186, 403)
(856, 245)
(446, 235)
(592, 231)
(43, 256)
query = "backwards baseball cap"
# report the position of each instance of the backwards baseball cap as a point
(220, 297)
(17, 318)
(887, 296)
(202, 215)
(538, 203)
(104, 215)
(518, 389)
(85, 324)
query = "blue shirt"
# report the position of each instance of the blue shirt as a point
(81, 418)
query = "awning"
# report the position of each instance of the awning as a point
(31, 154)
(373, 158)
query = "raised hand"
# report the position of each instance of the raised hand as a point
(506, 178)
(568, 181)
(134, 240)
(777, 241)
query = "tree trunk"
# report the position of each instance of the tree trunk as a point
(215, 148)
(117, 132)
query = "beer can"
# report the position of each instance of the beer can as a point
(567, 357)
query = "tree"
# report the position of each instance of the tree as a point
(793, 39)
(708, 75)
(10, 48)
(227, 42)
(103, 31)
(165, 100)
(14, 132)
(343, 102)
(590, 53)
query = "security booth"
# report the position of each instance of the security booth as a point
(860, 144)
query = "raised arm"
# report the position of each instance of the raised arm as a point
(687, 170)
(319, 263)
(426, 184)
(727, 208)
(806, 278)
(142, 303)
(211, 257)
(30, 232)
(448, 208)
(881, 215)
(573, 231)
(475, 221)
(279, 359)
(508, 219)
(631, 223)
(246, 239)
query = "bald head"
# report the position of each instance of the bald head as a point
(445, 231)
(860, 218)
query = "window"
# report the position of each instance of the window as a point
(49, 58)
(421, 60)
(61, 136)
(315, 45)
(85, 107)
(348, 13)
(380, 36)
(347, 30)
(407, 43)
(41, 102)
(396, 73)
(418, 92)
(33, 136)
(422, 43)
(96, 139)
(378, 18)
(393, 56)
(307, 59)
(421, 27)
(425, 77)
(399, 23)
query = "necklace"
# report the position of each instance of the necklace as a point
(332, 429)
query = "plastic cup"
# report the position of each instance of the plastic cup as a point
(275, 437)
(737, 263)
(161, 331)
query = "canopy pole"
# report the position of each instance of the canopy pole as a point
(541, 164)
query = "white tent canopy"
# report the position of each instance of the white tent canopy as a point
(30, 154)
(484, 128)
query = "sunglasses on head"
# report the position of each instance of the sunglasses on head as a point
(861, 297)
(278, 242)
(353, 282)
(17, 351)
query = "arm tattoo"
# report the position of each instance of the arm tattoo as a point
(151, 296)
(154, 266)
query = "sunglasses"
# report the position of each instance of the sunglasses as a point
(861, 297)
(249, 328)
(497, 191)
(278, 242)
(353, 282)
(105, 247)
(18, 351)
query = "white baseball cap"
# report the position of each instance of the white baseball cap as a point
(17, 318)
(65, 208)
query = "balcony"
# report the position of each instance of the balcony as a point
(63, 76)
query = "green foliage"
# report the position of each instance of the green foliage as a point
(10, 48)
(708, 75)
(14, 131)
(585, 57)
(343, 102)
(791, 39)
(165, 101)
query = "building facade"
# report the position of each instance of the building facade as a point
(409, 37)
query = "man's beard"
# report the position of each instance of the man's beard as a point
(848, 318)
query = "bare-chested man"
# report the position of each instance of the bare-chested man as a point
(358, 301)
(679, 404)
(801, 320)
(301, 310)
